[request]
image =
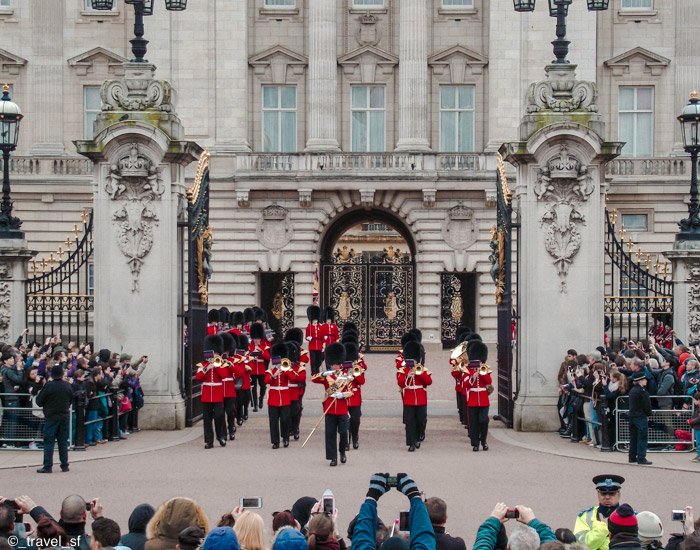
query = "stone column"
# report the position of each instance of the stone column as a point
(685, 59)
(14, 255)
(413, 76)
(322, 109)
(45, 76)
(231, 77)
(685, 260)
(139, 188)
(560, 198)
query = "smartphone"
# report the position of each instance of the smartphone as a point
(328, 502)
(392, 481)
(678, 515)
(403, 521)
(250, 502)
(512, 513)
(88, 506)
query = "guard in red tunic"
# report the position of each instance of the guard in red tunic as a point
(277, 377)
(212, 322)
(412, 379)
(356, 364)
(335, 404)
(260, 357)
(241, 375)
(248, 318)
(230, 345)
(314, 336)
(294, 339)
(477, 383)
(236, 323)
(210, 373)
(457, 369)
(329, 330)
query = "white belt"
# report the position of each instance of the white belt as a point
(414, 387)
(211, 383)
(477, 389)
(293, 385)
(279, 387)
(227, 379)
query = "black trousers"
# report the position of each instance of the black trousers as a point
(279, 422)
(229, 423)
(294, 417)
(316, 360)
(56, 431)
(415, 418)
(478, 424)
(336, 424)
(257, 380)
(242, 402)
(355, 414)
(461, 407)
(213, 413)
(639, 437)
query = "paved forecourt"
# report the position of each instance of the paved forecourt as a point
(514, 470)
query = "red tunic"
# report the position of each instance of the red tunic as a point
(475, 386)
(212, 329)
(314, 336)
(413, 387)
(356, 387)
(211, 378)
(241, 369)
(235, 330)
(457, 375)
(299, 379)
(336, 407)
(329, 333)
(278, 387)
(228, 381)
(259, 364)
(399, 362)
(303, 358)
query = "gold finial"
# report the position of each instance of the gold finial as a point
(648, 261)
(693, 94)
(68, 243)
(60, 253)
(52, 260)
(5, 88)
(34, 268)
(84, 215)
(613, 216)
(622, 232)
(43, 265)
(75, 230)
(638, 254)
(630, 246)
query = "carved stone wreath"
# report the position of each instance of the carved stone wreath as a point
(134, 182)
(274, 230)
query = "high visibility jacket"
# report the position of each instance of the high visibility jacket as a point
(592, 532)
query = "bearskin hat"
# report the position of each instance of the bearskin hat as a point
(224, 314)
(248, 315)
(294, 335)
(474, 336)
(260, 314)
(214, 343)
(236, 318)
(407, 337)
(328, 314)
(293, 351)
(349, 336)
(417, 333)
(257, 331)
(335, 354)
(478, 351)
(243, 342)
(413, 350)
(352, 351)
(230, 342)
(349, 326)
(213, 316)
(313, 313)
(279, 350)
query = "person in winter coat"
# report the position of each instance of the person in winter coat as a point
(135, 539)
(694, 423)
(170, 519)
(624, 529)
(221, 538)
(288, 538)
(488, 532)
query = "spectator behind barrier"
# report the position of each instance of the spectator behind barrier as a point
(249, 529)
(190, 538)
(289, 538)
(301, 510)
(221, 538)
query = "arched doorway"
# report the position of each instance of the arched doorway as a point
(368, 276)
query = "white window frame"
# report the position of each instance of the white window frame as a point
(635, 111)
(628, 5)
(373, 5)
(368, 110)
(278, 110)
(87, 132)
(466, 5)
(268, 5)
(631, 228)
(457, 112)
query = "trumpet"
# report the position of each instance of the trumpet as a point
(419, 369)
(484, 369)
(285, 365)
(357, 370)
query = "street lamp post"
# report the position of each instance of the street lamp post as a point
(560, 9)
(690, 121)
(141, 8)
(10, 117)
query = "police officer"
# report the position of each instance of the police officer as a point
(640, 411)
(591, 526)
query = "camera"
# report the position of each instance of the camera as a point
(678, 515)
(512, 513)
(250, 502)
(10, 503)
(88, 506)
(392, 481)
(403, 521)
(328, 502)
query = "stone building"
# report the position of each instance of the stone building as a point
(324, 116)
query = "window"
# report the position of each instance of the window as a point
(637, 4)
(367, 118)
(5, 3)
(91, 279)
(635, 222)
(88, 5)
(280, 3)
(457, 118)
(279, 118)
(457, 3)
(92, 105)
(368, 3)
(636, 120)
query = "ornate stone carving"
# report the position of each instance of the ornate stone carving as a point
(5, 311)
(429, 197)
(460, 230)
(563, 185)
(305, 198)
(5, 271)
(137, 91)
(243, 197)
(368, 32)
(134, 182)
(693, 279)
(561, 92)
(274, 229)
(367, 197)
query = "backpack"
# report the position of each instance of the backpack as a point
(677, 386)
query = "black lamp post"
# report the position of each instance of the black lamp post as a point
(10, 117)
(690, 121)
(560, 9)
(141, 8)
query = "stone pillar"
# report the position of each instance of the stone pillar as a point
(685, 59)
(413, 76)
(139, 188)
(323, 78)
(231, 77)
(685, 260)
(14, 255)
(45, 76)
(560, 198)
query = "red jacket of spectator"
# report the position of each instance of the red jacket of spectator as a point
(211, 377)
(314, 336)
(336, 407)
(413, 387)
(259, 363)
(475, 386)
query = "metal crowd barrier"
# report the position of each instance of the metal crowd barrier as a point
(663, 424)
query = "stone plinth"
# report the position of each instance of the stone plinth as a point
(685, 260)
(14, 255)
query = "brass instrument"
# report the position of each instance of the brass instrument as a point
(217, 362)
(459, 355)
(285, 365)
(418, 370)
(484, 369)
(357, 370)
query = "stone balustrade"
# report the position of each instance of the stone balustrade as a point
(49, 166)
(649, 166)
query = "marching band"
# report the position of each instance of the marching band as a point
(242, 361)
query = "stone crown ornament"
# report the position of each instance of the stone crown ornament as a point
(137, 91)
(561, 92)
(274, 212)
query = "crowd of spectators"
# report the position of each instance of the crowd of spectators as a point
(590, 385)
(96, 377)
(181, 524)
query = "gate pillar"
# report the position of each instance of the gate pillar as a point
(139, 195)
(559, 198)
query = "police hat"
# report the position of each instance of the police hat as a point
(637, 376)
(608, 483)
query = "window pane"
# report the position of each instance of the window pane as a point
(359, 131)
(466, 132)
(643, 135)
(626, 133)
(289, 129)
(368, 2)
(270, 131)
(447, 97)
(466, 97)
(359, 96)
(279, 2)
(635, 222)
(270, 97)
(644, 99)
(7, 2)
(626, 99)
(460, 3)
(376, 136)
(376, 97)
(92, 98)
(447, 132)
(644, 4)
(289, 97)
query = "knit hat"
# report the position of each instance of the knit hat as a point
(221, 538)
(650, 527)
(623, 520)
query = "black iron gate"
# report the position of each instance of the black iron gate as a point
(373, 290)
(277, 297)
(457, 305)
(59, 291)
(502, 273)
(638, 302)
(198, 238)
